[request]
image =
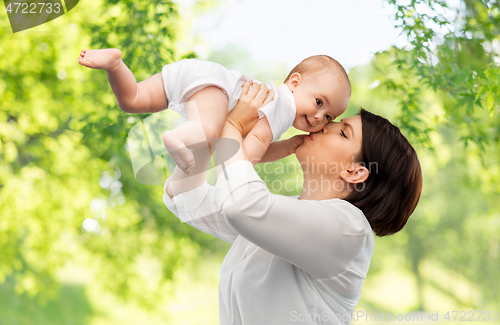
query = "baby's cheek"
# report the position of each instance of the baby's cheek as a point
(318, 128)
(296, 124)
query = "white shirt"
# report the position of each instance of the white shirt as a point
(291, 261)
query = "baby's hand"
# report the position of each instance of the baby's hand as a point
(294, 142)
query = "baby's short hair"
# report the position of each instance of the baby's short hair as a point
(318, 63)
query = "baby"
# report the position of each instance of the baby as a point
(315, 92)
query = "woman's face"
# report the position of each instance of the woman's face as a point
(332, 149)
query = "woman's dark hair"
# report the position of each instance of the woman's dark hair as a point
(390, 194)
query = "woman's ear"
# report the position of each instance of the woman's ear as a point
(355, 174)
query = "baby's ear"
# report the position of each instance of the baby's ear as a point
(295, 79)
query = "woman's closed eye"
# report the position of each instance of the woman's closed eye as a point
(343, 133)
(319, 102)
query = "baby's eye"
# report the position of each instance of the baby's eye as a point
(319, 102)
(329, 118)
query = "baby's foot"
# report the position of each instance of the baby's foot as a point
(106, 59)
(182, 156)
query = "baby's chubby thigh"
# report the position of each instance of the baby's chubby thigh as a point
(206, 111)
(208, 106)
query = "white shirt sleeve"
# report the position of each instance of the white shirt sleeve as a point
(196, 208)
(319, 237)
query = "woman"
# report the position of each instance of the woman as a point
(300, 260)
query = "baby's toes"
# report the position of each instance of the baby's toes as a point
(178, 160)
(180, 163)
(84, 62)
(188, 170)
(190, 161)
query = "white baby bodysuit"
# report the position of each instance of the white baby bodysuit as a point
(184, 78)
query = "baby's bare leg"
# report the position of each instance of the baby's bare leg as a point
(146, 97)
(207, 112)
(181, 182)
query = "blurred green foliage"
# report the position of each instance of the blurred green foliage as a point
(63, 160)
(453, 51)
(71, 306)
(446, 90)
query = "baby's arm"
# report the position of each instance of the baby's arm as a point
(276, 151)
(259, 148)
(258, 140)
(284, 148)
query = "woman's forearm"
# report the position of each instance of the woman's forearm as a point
(239, 122)
(228, 141)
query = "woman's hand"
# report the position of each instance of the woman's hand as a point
(239, 122)
(294, 142)
(245, 114)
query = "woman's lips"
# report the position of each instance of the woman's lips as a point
(311, 136)
(307, 121)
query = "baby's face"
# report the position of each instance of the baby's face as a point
(319, 99)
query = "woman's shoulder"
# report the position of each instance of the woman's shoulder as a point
(352, 218)
(356, 217)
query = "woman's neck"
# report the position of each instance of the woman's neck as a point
(322, 187)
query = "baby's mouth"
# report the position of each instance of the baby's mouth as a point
(307, 121)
